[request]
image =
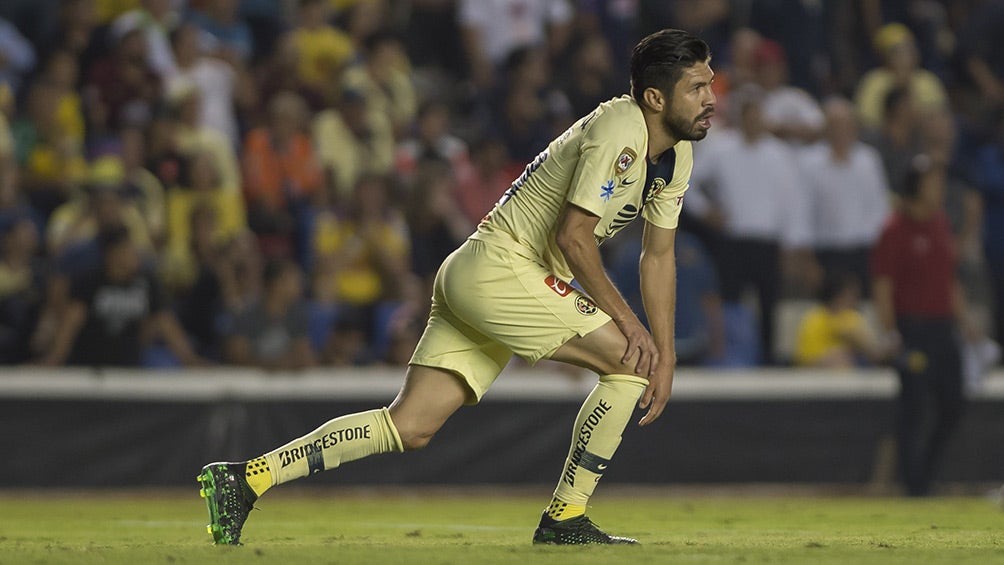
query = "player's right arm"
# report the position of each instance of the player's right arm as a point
(575, 239)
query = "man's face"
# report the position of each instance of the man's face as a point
(687, 115)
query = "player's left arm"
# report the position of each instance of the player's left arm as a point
(658, 291)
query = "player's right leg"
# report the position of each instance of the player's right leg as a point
(427, 399)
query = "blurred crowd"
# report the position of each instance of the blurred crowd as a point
(274, 183)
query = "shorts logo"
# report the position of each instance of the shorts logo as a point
(585, 306)
(625, 160)
(560, 287)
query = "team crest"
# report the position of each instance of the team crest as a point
(585, 306)
(626, 159)
(657, 186)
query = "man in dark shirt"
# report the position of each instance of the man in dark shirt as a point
(921, 307)
(111, 307)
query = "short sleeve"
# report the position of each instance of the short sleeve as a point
(664, 210)
(606, 138)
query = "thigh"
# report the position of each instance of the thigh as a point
(427, 399)
(600, 351)
(516, 302)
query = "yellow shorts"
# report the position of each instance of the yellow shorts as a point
(489, 303)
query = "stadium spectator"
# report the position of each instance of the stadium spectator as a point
(436, 226)
(490, 174)
(384, 80)
(114, 311)
(220, 86)
(528, 110)
(790, 113)
(353, 141)
(362, 255)
(984, 61)
(17, 55)
(199, 188)
(900, 68)
(53, 164)
(833, 333)
(22, 276)
(272, 333)
(101, 205)
(431, 138)
(989, 173)
(848, 195)
(898, 140)
(224, 32)
(142, 188)
(590, 77)
(121, 87)
(193, 136)
(154, 20)
(74, 29)
(202, 281)
(742, 177)
(493, 29)
(281, 174)
(322, 51)
(921, 306)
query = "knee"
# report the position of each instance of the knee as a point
(413, 439)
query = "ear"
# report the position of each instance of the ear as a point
(654, 99)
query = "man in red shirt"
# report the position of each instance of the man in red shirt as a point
(920, 306)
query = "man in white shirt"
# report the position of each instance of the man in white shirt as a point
(492, 29)
(848, 193)
(748, 186)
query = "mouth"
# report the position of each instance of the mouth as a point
(704, 120)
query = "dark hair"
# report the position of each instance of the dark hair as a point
(920, 165)
(658, 61)
(834, 283)
(112, 237)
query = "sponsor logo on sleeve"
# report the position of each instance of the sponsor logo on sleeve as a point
(560, 287)
(607, 191)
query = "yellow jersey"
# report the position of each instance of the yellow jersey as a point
(600, 165)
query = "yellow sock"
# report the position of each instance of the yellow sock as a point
(337, 441)
(258, 475)
(559, 510)
(596, 435)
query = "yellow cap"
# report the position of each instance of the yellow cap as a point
(891, 35)
(106, 171)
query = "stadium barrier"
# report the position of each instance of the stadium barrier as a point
(73, 428)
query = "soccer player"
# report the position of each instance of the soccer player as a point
(505, 291)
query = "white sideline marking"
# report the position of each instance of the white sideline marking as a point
(417, 526)
(160, 523)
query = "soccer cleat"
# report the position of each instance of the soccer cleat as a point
(229, 499)
(574, 531)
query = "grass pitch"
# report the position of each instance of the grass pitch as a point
(487, 526)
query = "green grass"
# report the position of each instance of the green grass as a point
(435, 527)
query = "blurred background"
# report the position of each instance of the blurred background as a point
(273, 184)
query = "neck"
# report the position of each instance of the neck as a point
(275, 305)
(918, 211)
(659, 140)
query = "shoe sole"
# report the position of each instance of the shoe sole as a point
(208, 492)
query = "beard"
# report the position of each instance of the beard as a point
(681, 128)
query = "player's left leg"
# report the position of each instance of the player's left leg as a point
(595, 436)
(427, 399)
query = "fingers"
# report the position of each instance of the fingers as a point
(654, 411)
(646, 397)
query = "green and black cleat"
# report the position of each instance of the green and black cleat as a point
(574, 531)
(229, 499)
